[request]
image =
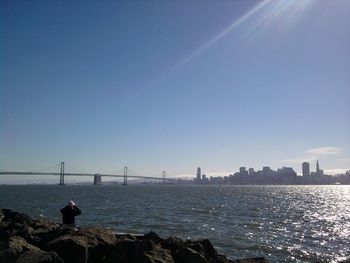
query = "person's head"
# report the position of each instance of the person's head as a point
(71, 204)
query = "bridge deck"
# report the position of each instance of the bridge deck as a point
(88, 174)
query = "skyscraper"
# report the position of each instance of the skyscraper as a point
(306, 168)
(318, 170)
(243, 171)
(199, 174)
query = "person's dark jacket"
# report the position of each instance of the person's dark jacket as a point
(69, 213)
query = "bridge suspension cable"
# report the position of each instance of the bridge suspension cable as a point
(70, 168)
(49, 168)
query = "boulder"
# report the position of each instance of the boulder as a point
(204, 247)
(43, 223)
(91, 244)
(14, 221)
(173, 243)
(153, 236)
(126, 237)
(16, 249)
(18, 224)
(125, 249)
(12, 248)
(140, 249)
(72, 249)
(42, 236)
(9, 215)
(188, 255)
(251, 260)
(39, 257)
(100, 235)
(149, 245)
(157, 256)
(221, 259)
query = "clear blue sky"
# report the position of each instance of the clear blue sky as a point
(172, 85)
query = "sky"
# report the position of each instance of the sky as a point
(174, 85)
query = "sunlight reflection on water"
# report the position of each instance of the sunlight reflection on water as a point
(286, 223)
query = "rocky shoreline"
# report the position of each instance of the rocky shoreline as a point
(27, 240)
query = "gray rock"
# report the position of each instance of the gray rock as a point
(92, 244)
(251, 260)
(39, 257)
(173, 243)
(153, 236)
(204, 247)
(72, 249)
(157, 256)
(188, 255)
(42, 236)
(16, 249)
(124, 250)
(18, 224)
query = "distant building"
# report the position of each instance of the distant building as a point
(306, 168)
(243, 171)
(199, 174)
(286, 171)
(318, 170)
(205, 180)
(267, 171)
(251, 171)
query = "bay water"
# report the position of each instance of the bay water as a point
(282, 223)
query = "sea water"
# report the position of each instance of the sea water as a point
(283, 223)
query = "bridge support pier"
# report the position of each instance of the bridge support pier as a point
(97, 179)
(62, 174)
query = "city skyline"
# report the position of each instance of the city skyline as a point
(304, 172)
(235, 83)
(318, 176)
(267, 176)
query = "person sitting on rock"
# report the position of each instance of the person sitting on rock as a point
(69, 212)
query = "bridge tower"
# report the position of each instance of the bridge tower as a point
(62, 174)
(163, 177)
(125, 176)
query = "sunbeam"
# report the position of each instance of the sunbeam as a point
(215, 39)
(222, 34)
(283, 14)
(262, 16)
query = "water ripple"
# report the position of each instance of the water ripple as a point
(286, 223)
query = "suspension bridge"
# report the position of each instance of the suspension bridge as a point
(97, 176)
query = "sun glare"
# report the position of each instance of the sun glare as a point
(280, 16)
(262, 16)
